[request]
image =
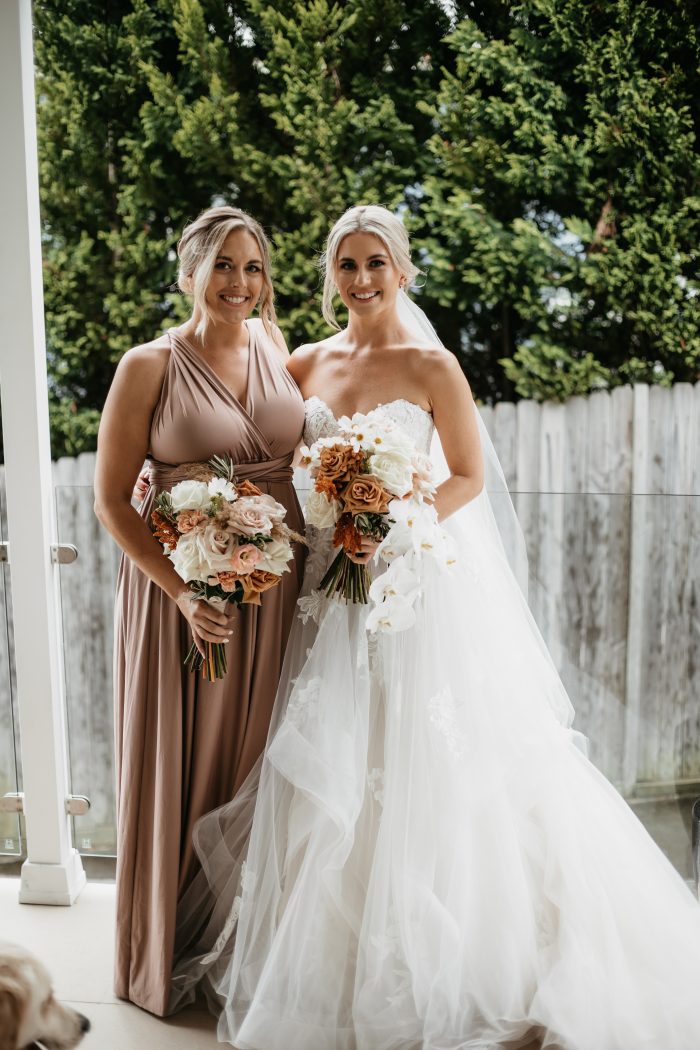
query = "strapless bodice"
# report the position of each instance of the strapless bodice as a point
(416, 421)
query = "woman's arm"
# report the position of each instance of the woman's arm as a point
(455, 420)
(121, 448)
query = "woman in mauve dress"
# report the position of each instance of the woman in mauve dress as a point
(218, 384)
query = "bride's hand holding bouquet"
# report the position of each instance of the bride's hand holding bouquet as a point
(357, 476)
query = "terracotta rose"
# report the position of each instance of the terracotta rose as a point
(257, 582)
(340, 462)
(365, 495)
(247, 488)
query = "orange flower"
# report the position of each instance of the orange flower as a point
(163, 531)
(326, 486)
(247, 488)
(255, 583)
(346, 535)
(340, 462)
(365, 494)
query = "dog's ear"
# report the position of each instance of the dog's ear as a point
(10, 1012)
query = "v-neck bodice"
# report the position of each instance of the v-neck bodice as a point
(197, 416)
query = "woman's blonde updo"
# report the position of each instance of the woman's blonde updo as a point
(368, 218)
(198, 249)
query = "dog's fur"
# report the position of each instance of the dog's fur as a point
(29, 1013)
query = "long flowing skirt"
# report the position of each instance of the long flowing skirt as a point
(425, 858)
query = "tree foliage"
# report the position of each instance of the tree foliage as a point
(544, 154)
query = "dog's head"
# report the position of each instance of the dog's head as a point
(28, 1011)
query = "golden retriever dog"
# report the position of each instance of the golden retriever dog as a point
(29, 1014)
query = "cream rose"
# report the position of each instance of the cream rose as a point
(189, 495)
(249, 517)
(274, 510)
(321, 511)
(393, 469)
(188, 559)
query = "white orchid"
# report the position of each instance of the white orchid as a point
(392, 615)
(398, 580)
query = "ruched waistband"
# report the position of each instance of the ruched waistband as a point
(165, 475)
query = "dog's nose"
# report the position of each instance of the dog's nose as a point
(84, 1023)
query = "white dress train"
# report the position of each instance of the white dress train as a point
(424, 857)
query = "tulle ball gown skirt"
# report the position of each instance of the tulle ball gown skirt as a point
(426, 860)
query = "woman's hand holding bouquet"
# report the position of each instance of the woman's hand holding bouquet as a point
(228, 542)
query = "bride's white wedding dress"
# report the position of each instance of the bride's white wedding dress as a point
(425, 858)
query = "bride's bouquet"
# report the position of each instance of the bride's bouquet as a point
(227, 540)
(358, 475)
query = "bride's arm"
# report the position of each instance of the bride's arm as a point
(454, 414)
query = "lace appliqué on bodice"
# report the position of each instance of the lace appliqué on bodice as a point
(320, 421)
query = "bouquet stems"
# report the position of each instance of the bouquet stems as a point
(213, 664)
(347, 579)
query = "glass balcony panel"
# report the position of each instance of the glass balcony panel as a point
(612, 584)
(11, 843)
(87, 610)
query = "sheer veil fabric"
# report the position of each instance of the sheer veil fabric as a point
(423, 858)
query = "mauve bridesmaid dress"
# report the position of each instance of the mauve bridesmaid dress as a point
(183, 745)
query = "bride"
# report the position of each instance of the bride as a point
(424, 857)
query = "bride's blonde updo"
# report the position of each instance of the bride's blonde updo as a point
(197, 251)
(368, 218)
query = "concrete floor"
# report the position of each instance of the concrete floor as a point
(76, 944)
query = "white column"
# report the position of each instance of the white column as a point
(53, 872)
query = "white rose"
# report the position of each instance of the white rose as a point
(394, 469)
(321, 511)
(397, 440)
(189, 495)
(275, 556)
(187, 558)
(222, 487)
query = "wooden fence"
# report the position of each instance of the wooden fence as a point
(608, 492)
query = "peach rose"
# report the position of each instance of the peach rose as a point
(245, 558)
(365, 495)
(189, 519)
(257, 582)
(228, 580)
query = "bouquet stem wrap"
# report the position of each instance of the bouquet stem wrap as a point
(213, 664)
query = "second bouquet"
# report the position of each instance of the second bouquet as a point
(356, 475)
(226, 539)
